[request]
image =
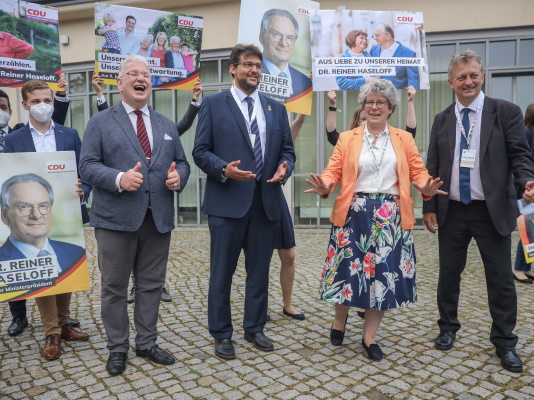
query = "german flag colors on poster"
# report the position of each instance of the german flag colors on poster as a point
(170, 42)
(43, 248)
(281, 29)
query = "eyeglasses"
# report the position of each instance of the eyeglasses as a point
(379, 104)
(463, 78)
(249, 65)
(277, 37)
(26, 209)
(135, 74)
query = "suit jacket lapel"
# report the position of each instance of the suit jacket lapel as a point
(450, 129)
(238, 117)
(60, 138)
(27, 140)
(122, 118)
(157, 135)
(486, 127)
(267, 112)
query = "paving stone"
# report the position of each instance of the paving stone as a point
(304, 364)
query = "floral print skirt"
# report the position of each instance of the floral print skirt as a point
(371, 260)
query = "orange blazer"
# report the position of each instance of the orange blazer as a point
(344, 164)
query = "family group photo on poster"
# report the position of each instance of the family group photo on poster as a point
(351, 48)
(29, 43)
(170, 42)
(43, 250)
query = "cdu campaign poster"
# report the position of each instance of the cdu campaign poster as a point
(281, 29)
(29, 44)
(351, 48)
(525, 224)
(170, 43)
(42, 248)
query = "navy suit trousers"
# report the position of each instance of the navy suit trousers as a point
(256, 234)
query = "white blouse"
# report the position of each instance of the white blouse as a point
(377, 168)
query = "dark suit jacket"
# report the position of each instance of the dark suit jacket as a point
(110, 145)
(222, 137)
(299, 81)
(59, 116)
(406, 76)
(182, 126)
(503, 151)
(21, 141)
(67, 254)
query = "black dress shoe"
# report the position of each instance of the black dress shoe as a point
(116, 363)
(131, 296)
(526, 280)
(165, 296)
(299, 317)
(361, 314)
(373, 351)
(445, 340)
(157, 355)
(268, 318)
(509, 359)
(224, 348)
(73, 322)
(336, 337)
(17, 326)
(260, 341)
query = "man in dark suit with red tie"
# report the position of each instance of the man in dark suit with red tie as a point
(475, 145)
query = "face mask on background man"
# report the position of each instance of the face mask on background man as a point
(42, 112)
(4, 118)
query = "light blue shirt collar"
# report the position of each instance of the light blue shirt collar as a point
(30, 251)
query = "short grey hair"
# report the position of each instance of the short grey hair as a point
(130, 59)
(175, 38)
(148, 37)
(382, 87)
(277, 11)
(4, 199)
(464, 58)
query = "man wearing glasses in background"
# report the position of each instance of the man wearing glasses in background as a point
(279, 31)
(243, 143)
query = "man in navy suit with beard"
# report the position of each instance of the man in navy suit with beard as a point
(243, 144)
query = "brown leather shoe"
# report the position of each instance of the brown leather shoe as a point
(69, 333)
(52, 347)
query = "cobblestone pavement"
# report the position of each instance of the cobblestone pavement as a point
(304, 364)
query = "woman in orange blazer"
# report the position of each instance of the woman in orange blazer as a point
(371, 260)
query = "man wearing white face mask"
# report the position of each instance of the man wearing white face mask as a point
(5, 116)
(41, 134)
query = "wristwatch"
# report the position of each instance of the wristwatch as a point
(224, 170)
(332, 108)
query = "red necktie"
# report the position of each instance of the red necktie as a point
(142, 135)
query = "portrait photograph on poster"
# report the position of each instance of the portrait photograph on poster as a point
(29, 44)
(170, 42)
(42, 249)
(281, 29)
(350, 48)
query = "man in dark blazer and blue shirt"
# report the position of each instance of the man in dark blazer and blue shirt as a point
(476, 144)
(133, 157)
(243, 143)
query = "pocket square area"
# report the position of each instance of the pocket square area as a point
(167, 137)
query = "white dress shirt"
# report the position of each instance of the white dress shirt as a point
(367, 168)
(44, 142)
(260, 117)
(389, 51)
(133, 119)
(477, 193)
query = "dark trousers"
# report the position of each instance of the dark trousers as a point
(255, 234)
(18, 308)
(463, 223)
(145, 253)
